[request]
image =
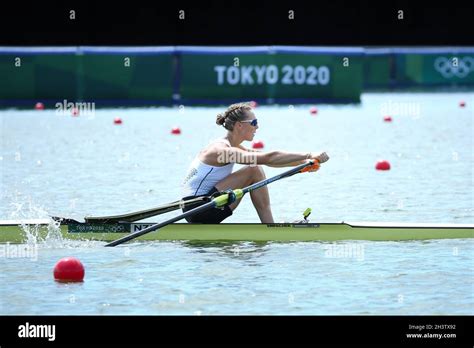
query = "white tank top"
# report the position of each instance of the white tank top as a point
(202, 177)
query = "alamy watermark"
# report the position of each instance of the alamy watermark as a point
(347, 251)
(67, 107)
(16, 251)
(391, 108)
(28, 330)
(249, 158)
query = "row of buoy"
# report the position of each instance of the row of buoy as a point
(312, 110)
(380, 165)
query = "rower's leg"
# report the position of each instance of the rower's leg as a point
(260, 198)
(237, 179)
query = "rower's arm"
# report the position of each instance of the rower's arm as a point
(243, 155)
(247, 149)
(292, 164)
(221, 155)
(279, 159)
(320, 157)
(273, 165)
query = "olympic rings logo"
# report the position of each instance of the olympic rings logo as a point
(448, 69)
(117, 228)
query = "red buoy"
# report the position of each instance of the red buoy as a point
(462, 104)
(39, 106)
(117, 120)
(75, 112)
(69, 269)
(387, 118)
(382, 165)
(176, 130)
(253, 104)
(313, 110)
(258, 144)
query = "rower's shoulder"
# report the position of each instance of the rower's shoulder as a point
(222, 142)
(218, 144)
(210, 152)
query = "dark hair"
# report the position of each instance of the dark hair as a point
(233, 114)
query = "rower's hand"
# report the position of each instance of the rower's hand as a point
(322, 157)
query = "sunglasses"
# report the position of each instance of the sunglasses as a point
(253, 122)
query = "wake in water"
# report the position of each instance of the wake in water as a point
(45, 235)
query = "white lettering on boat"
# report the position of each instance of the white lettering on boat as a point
(139, 227)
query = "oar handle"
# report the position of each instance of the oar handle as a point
(311, 168)
(223, 199)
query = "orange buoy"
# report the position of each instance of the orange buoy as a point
(176, 130)
(382, 165)
(69, 269)
(462, 104)
(258, 144)
(313, 110)
(387, 118)
(39, 106)
(117, 120)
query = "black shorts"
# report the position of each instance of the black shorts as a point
(211, 216)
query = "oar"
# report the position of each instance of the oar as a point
(219, 201)
(143, 214)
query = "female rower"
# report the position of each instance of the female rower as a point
(211, 170)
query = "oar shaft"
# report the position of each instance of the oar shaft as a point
(163, 224)
(286, 174)
(144, 214)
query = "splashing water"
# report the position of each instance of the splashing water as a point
(34, 234)
(47, 233)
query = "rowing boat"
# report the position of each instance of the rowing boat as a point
(17, 231)
(118, 229)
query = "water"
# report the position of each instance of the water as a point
(245, 278)
(60, 165)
